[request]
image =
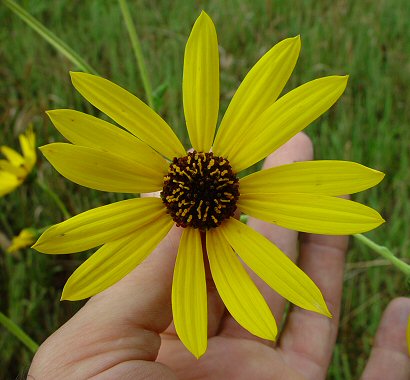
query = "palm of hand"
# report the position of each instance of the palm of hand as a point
(116, 335)
(231, 358)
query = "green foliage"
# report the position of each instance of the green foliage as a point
(367, 40)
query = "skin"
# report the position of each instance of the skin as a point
(126, 332)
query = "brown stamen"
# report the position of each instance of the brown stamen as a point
(200, 190)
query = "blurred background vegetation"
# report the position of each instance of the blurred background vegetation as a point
(369, 40)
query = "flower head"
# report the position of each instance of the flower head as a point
(200, 190)
(24, 239)
(16, 167)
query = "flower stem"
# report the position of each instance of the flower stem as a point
(9, 325)
(244, 218)
(50, 37)
(385, 253)
(55, 198)
(137, 51)
(381, 250)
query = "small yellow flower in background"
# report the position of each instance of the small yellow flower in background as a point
(16, 167)
(24, 239)
(200, 191)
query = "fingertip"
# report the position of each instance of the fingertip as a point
(392, 332)
(399, 309)
(298, 148)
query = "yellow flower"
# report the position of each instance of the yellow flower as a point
(15, 169)
(201, 190)
(24, 239)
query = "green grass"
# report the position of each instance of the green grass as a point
(367, 40)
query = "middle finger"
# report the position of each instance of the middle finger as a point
(299, 148)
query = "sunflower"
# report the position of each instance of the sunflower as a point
(16, 167)
(200, 190)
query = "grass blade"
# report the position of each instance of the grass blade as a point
(50, 37)
(18, 333)
(137, 52)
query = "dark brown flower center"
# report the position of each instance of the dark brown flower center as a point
(200, 190)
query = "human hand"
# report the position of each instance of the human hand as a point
(126, 332)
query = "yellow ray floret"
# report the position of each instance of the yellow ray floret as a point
(99, 225)
(274, 267)
(89, 131)
(237, 290)
(286, 117)
(318, 214)
(189, 298)
(101, 170)
(312, 177)
(259, 90)
(114, 260)
(130, 112)
(201, 83)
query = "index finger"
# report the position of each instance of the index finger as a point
(308, 338)
(390, 357)
(299, 148)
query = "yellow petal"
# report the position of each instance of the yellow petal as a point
(14, 157)
(28, 147)
(115, 260)
(17, 171)
(130, 112)
(318, 214)
(317, 177)
(101, 170)
(260, 88)
(274, 267)
(24, 239)
(86, 130)
(99, 225)
(237, 290)
(8, 182)
(201, 83)
(286, 117)
(189, 297)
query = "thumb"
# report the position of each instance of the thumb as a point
(389, 358)
(118, 326)
(142, 298)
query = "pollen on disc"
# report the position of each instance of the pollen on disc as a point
(200, 190)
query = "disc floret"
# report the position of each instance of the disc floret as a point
(200, 190)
